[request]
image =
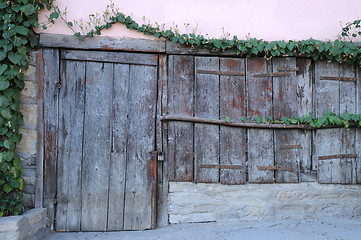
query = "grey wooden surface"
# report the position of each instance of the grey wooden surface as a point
(101, 43)
(70, 145)
(232, 104)
(260, 141)
(206, 105)
(51, 78)
(180, 101)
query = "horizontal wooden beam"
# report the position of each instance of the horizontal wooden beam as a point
(344, 79)
(221, 166)
(227, 73)
(275, 74)
(168, 118)
(337, 156)
(290, 147)
(289, 69)
(278, 168)
(116, 57)
(102, 43)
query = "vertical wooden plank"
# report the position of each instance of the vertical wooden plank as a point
(180, 102)
(51, 78)
(288, 153)
(162, 200)
(327, 98)
(348, 137)
(141, 172)
(119, 147)
(206, 137)
(70, 141)
(289, 100)
(327, 95)
(40, 132)
(260, 141)
(358, 130)
(304, 93)
(96, 146)
(232, 104)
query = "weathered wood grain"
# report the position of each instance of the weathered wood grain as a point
(232, 104)
(206, 105)
(288, 157)
(101, 43)
(51, 78)
(162, 171)
(70, 145)
(140, 186)
(260, 142)
(97, 144)
(180, 134)
(120, 86)
(113, 57)
(39, 189)
(358, 131)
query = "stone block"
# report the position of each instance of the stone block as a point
(28, 141)
(30, 90)
(29, 112)
(30, 74)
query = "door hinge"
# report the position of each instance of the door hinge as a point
(160, 156)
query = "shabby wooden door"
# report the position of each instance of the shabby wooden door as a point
(104, 108)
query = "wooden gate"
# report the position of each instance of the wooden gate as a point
(100, 139)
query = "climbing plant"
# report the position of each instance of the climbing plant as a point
(19, 17)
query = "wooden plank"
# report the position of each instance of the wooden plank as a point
(101, 43)
(219, 166)
(327, 96)
(119, 147)
(233, 105)
(358, 130)
(176, 48)
(260, 142)
(288, 157)
(51, 78)
(288, 95)
(140, 183)
(113, 57)
(227, 73)
(39, 190)
(206, 137)
(70, 145)
(96, 146)
(180, 134)
(347, 89)
(162, 200)
(346, 79)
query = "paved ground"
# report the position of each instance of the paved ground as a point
(290, 229)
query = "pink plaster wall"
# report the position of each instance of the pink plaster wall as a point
(263, 19)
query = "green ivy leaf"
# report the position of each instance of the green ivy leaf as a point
(21, 30)
(7, 188)
(14, 57)
(258, 119)
(243, 119)
(27, 9)
(4, 84)
(228, 119)
(14, 183)
(3, 67)
(6, 113)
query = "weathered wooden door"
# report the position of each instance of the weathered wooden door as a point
(103, 107)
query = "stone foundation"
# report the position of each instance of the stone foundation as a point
(202, 202)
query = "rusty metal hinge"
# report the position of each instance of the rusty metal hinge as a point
(160, 156)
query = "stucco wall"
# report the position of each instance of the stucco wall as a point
(264, 19)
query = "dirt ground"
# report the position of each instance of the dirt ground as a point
(289, 229)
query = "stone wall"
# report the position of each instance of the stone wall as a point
(26, 149)
(189, 202)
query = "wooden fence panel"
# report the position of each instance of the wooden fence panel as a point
(119, 138)
(232, 104)
(97, 139)
(70, 145)
(358, 130)
(180, 102)
(140, 186)
(206, 106)
(260, 141)
(336, 92)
